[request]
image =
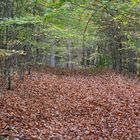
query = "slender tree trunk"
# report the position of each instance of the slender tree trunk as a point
(69, 48)
(52, 56)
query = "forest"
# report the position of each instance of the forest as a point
(69, 69)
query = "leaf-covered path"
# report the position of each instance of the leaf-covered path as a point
(52, 107)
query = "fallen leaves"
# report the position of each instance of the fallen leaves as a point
(73, 106)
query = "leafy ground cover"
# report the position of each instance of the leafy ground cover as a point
(56, 106)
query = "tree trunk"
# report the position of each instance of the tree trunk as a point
(69, 56)
(52, 56)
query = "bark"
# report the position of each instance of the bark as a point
(52, 56)
(69, 57)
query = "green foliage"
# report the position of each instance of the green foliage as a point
(87, 23)
(20, 21)
(7, 53)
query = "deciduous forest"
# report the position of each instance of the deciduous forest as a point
(69, 69)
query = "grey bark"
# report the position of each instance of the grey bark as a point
(52, 56)
(69, 55)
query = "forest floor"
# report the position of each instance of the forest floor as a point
(105, 106)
